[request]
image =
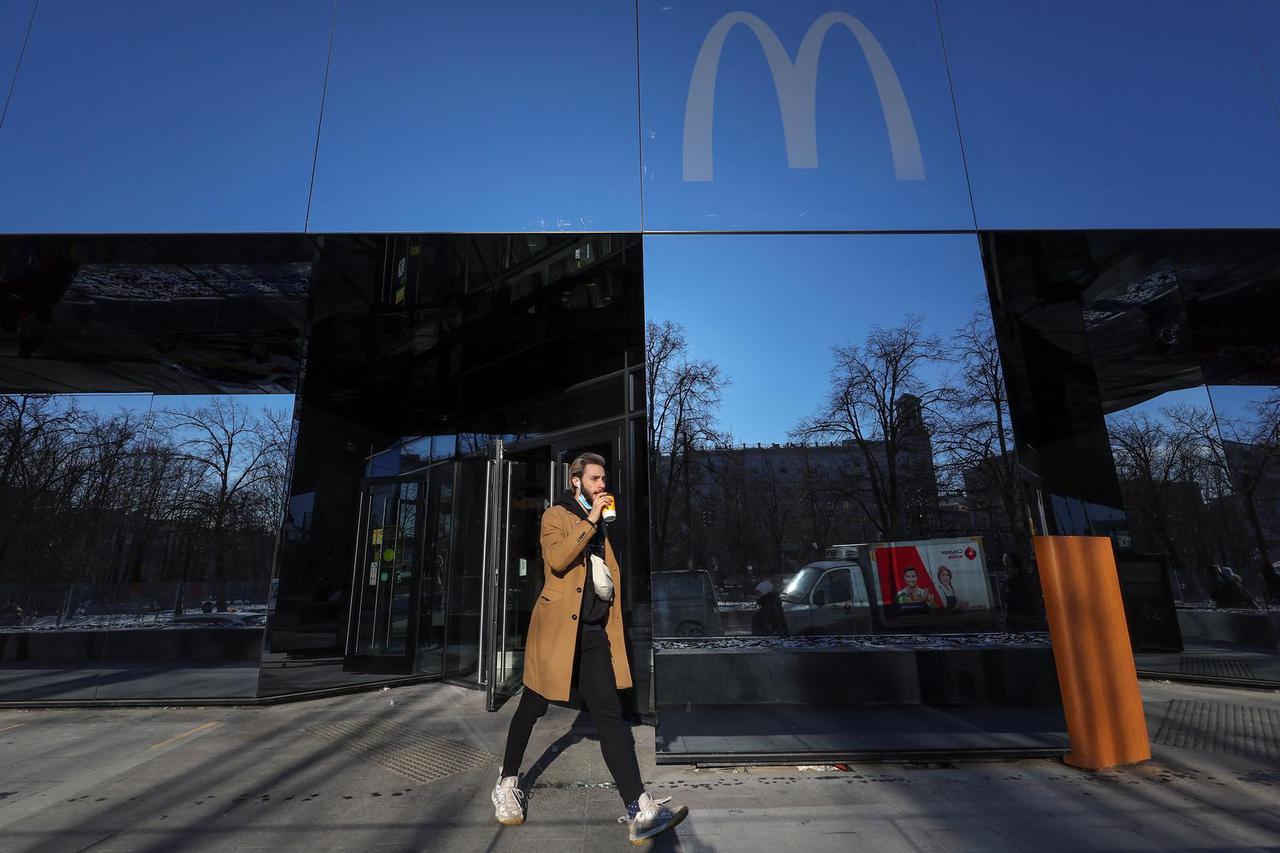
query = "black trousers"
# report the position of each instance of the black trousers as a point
(599, 694)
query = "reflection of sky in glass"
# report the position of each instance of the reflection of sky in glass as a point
(1196, 397)
(1096, 113)
(207, 122)
(768, 309)
(109, 405)
(1237, 402)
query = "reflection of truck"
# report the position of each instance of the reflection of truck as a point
(928, 585)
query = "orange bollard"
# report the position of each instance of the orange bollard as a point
(1099, 683)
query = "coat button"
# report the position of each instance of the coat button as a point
(574, 617)
(579, 589)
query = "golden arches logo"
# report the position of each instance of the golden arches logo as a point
(796, 85)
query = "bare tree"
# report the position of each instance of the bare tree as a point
(682, 396)
(880, 401)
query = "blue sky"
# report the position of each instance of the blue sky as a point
(110, 404)
(807, 293)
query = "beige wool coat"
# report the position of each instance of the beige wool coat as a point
(553, 629)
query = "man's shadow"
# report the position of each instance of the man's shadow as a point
(582, 728)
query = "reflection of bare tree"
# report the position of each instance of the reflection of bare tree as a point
(1180, 496)
(1251, 448)
(973, 438)
(1154, 457)
(879, 404)
(683, 395)
(108, 501)
(238, 455)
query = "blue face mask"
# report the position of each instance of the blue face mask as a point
(583, 502)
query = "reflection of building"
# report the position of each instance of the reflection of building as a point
(755, 511)
(1255, 469)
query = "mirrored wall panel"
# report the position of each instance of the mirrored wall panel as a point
(449, 381)
(206, 123)
(808, 116)
(1145, 366)
(839, 536)
(495, 117)
(146, 411)
(1067, 112)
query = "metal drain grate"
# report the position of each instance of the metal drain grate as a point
(1243, 730)
(1216, 667)
(400, 749)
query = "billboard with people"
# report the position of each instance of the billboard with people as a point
(931, 576)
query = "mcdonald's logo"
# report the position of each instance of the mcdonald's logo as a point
(796, 86)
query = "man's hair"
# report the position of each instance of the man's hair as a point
(577, 466)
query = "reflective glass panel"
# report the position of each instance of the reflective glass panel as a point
(424, 352)
(459, 117)
(804, 117)
(1074, 116)
(15, 20)
(206, 123)
(833, 489)
(140, 529)
(1111, 338)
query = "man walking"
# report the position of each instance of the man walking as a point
(575, 637)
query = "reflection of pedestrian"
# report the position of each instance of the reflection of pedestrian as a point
(1229, 591)
(1270, 576)
(769, 618)
(206, 606)
(1023, 599)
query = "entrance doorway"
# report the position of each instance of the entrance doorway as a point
(448, 564)
(532, 476)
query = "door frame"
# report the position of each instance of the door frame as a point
(497, 557)
(395, 664)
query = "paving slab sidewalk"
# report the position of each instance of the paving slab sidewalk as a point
(360, 772)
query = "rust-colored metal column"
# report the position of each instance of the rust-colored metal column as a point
(1091, 649)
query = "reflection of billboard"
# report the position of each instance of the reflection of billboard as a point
(931, 576)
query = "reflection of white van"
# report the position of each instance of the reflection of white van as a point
(926, 584)
(827, 597)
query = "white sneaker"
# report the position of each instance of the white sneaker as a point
(654, 817)
(508, 801)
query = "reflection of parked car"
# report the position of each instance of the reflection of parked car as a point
(220, 620)
(684, 605)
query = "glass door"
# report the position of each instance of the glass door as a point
(385, 574)
(436, 564)
(524, 493)
(529, 478)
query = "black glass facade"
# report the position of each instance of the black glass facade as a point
(443, 375)
(1143, 373)
(289, 371)
(148, 400)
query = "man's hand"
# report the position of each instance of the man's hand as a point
(597, 507)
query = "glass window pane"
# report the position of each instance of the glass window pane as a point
(207, 123)
(798, 119)
(1073, 115)
(502, 117)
